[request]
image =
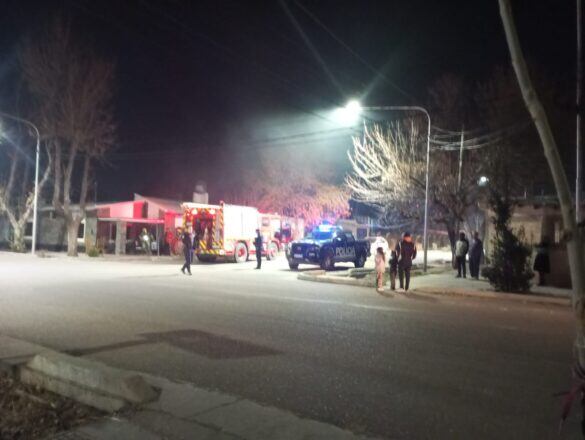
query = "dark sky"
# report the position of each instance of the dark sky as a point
(203, 85)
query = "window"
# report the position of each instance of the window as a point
(81, 231)
(28, 229)
(349, 237)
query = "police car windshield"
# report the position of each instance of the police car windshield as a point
(321, 235)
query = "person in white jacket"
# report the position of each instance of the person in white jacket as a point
(380, 269)
(461, 249)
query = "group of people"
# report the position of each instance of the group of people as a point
(475, 251)
(404, 253)
(190, 244)
(400, 263)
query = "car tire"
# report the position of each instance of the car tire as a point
(327, 262)
(360, 261)
(271, 251)
(293, 266)
(240, 253)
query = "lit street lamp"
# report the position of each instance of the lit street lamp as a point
(351, 113)
(36, 194)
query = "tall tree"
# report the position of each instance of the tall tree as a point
(276, 184)
(73, 89)
(388, 171)
(573, 233)
(17, 198)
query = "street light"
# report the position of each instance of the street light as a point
(36, 195)
(354, 108)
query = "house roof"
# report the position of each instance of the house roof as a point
(167, 205)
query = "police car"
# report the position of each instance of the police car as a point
(325, 246)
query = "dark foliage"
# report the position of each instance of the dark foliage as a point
(510, 260)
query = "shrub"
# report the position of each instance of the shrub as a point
(510, 259)
(94, 251)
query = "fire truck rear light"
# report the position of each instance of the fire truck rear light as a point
(221, 252)
(212, 211)
(194, 211)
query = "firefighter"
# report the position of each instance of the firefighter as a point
(145, 240)
(258, 246)
(187, 249)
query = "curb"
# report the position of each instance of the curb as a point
(515, 297)
(334, 280)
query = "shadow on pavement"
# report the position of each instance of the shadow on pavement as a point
(199, 342)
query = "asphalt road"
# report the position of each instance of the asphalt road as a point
(400, 368)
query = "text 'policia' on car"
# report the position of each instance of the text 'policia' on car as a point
(325, 246)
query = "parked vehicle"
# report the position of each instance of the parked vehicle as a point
(376, 242)
(327, 245)
(221, 231)
(228, 231)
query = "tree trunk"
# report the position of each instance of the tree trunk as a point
(72, 230)
(17, 243)
(572, 234)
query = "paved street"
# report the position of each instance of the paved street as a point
(401, 368)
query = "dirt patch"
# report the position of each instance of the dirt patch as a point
(30, 413)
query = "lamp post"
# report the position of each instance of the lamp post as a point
(353, 109)
(36, 194)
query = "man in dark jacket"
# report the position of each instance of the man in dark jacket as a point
(406, 251)
(475, 255)
(187, 249)
(258, 247)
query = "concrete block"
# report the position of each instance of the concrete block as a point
(94, 376)
(73, 391)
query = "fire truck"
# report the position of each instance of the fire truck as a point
(228, 231)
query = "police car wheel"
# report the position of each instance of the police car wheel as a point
(327, 261)
(361, 261)
(293, 266)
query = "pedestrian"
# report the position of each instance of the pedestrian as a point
(406, 252)
(542, 262)
(393, 269)
(258, 246)
(145, 241)
(475, 256)
(461, 249)
(187, 249)
(380, 269)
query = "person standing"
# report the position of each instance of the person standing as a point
(258, 247)
(461, 249)
(542, 262)
(380, 269)
(393, 262)
(187, 249)
(475, 256)
(406, 252)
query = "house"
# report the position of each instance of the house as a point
(540, 220)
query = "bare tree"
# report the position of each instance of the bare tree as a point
(73, 88)
(388, 171)
(573, 233)
(295, 191)
(17, 198)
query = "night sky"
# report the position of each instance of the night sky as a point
(204, 86)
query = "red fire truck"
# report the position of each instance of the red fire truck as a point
(227, 231)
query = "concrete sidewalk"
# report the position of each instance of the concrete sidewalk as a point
(184, 411)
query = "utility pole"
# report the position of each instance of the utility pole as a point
(579, 97)
(460, 174)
